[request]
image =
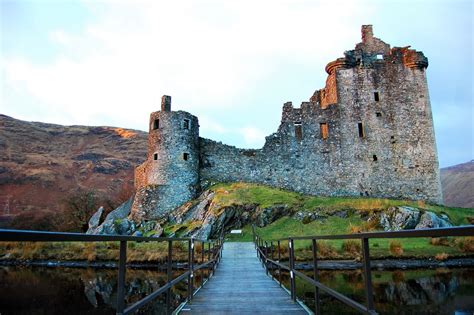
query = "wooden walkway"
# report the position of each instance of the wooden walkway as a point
(240, 286)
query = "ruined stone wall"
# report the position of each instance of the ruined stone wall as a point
(307, 164)
(172, 166)
(368, 132)
(380, 138)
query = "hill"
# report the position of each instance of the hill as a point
(42, 165)
(458, 185)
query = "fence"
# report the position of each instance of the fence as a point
(263, 250)
(214, 253)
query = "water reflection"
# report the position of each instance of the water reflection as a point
(38, 290)
(441, 291)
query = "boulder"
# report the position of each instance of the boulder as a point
(399, 218)
(151, 229)
(95, 219)
(115, 222)
(268, 215)
(430, 220)
(405, 218)
(309, 216)
(121, 212)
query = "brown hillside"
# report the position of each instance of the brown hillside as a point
(458, 185)
(42, 164)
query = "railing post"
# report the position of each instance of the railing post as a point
(121, 277)
(169, 275)
(279, 269)
(191, 268)
(271, 255)
(316, 277)
(367, 275)
(292, 268)
(209, 268)
(266, 257)
(203, 248)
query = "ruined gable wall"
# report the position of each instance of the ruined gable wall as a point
(308, 164)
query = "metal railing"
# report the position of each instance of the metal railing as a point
(214, 253)
(264, 247)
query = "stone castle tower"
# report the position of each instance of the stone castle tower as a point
(368, 132)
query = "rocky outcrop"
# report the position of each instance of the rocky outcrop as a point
(119, 222)
(405, 218)
(95, 219)
(115, 222)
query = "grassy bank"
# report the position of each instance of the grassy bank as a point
(232, 194)
(244, 193)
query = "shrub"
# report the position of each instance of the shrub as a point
(90, 251)
(398, 276)
(326, 250)
(466, 244)
(441, 256)
(396, 248)
(439, 241)
(34, 220)
(369, 225)
(351, 247)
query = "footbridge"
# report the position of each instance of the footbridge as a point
(235, 278)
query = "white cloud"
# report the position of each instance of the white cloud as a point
(205, 54)
(253, 137)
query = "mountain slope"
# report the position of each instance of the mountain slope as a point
(42, 164)
(458, 185)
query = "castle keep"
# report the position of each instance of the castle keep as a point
(368, 132)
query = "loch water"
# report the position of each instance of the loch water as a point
(57, 290)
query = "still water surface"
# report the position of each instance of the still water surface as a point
(39, 290)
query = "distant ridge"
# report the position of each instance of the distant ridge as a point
(457, 182)
(42, 164)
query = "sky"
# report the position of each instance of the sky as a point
(231, 63)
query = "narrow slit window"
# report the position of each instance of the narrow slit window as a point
(378, 114)
(374, 157)
(298, 131)
(186, 124)
(360, 126)
(155, 157)
(185, 156)
(376, 96)
(156, 124)
(324, 130)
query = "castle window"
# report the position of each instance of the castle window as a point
(324, 130)
(156, 124)
(185, 156)
(360, 126)
(374, 157)
(379, 56)
(155, 156)
(378, 114)
(186, 124)
(376, 96)
(298, 131)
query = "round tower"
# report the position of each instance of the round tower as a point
(171, 175)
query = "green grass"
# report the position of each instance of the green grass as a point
(228, 194)
(379, 248)
(245, 193)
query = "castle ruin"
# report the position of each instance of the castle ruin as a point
(368, 132)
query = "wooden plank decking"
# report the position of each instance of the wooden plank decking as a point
(240, 286)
